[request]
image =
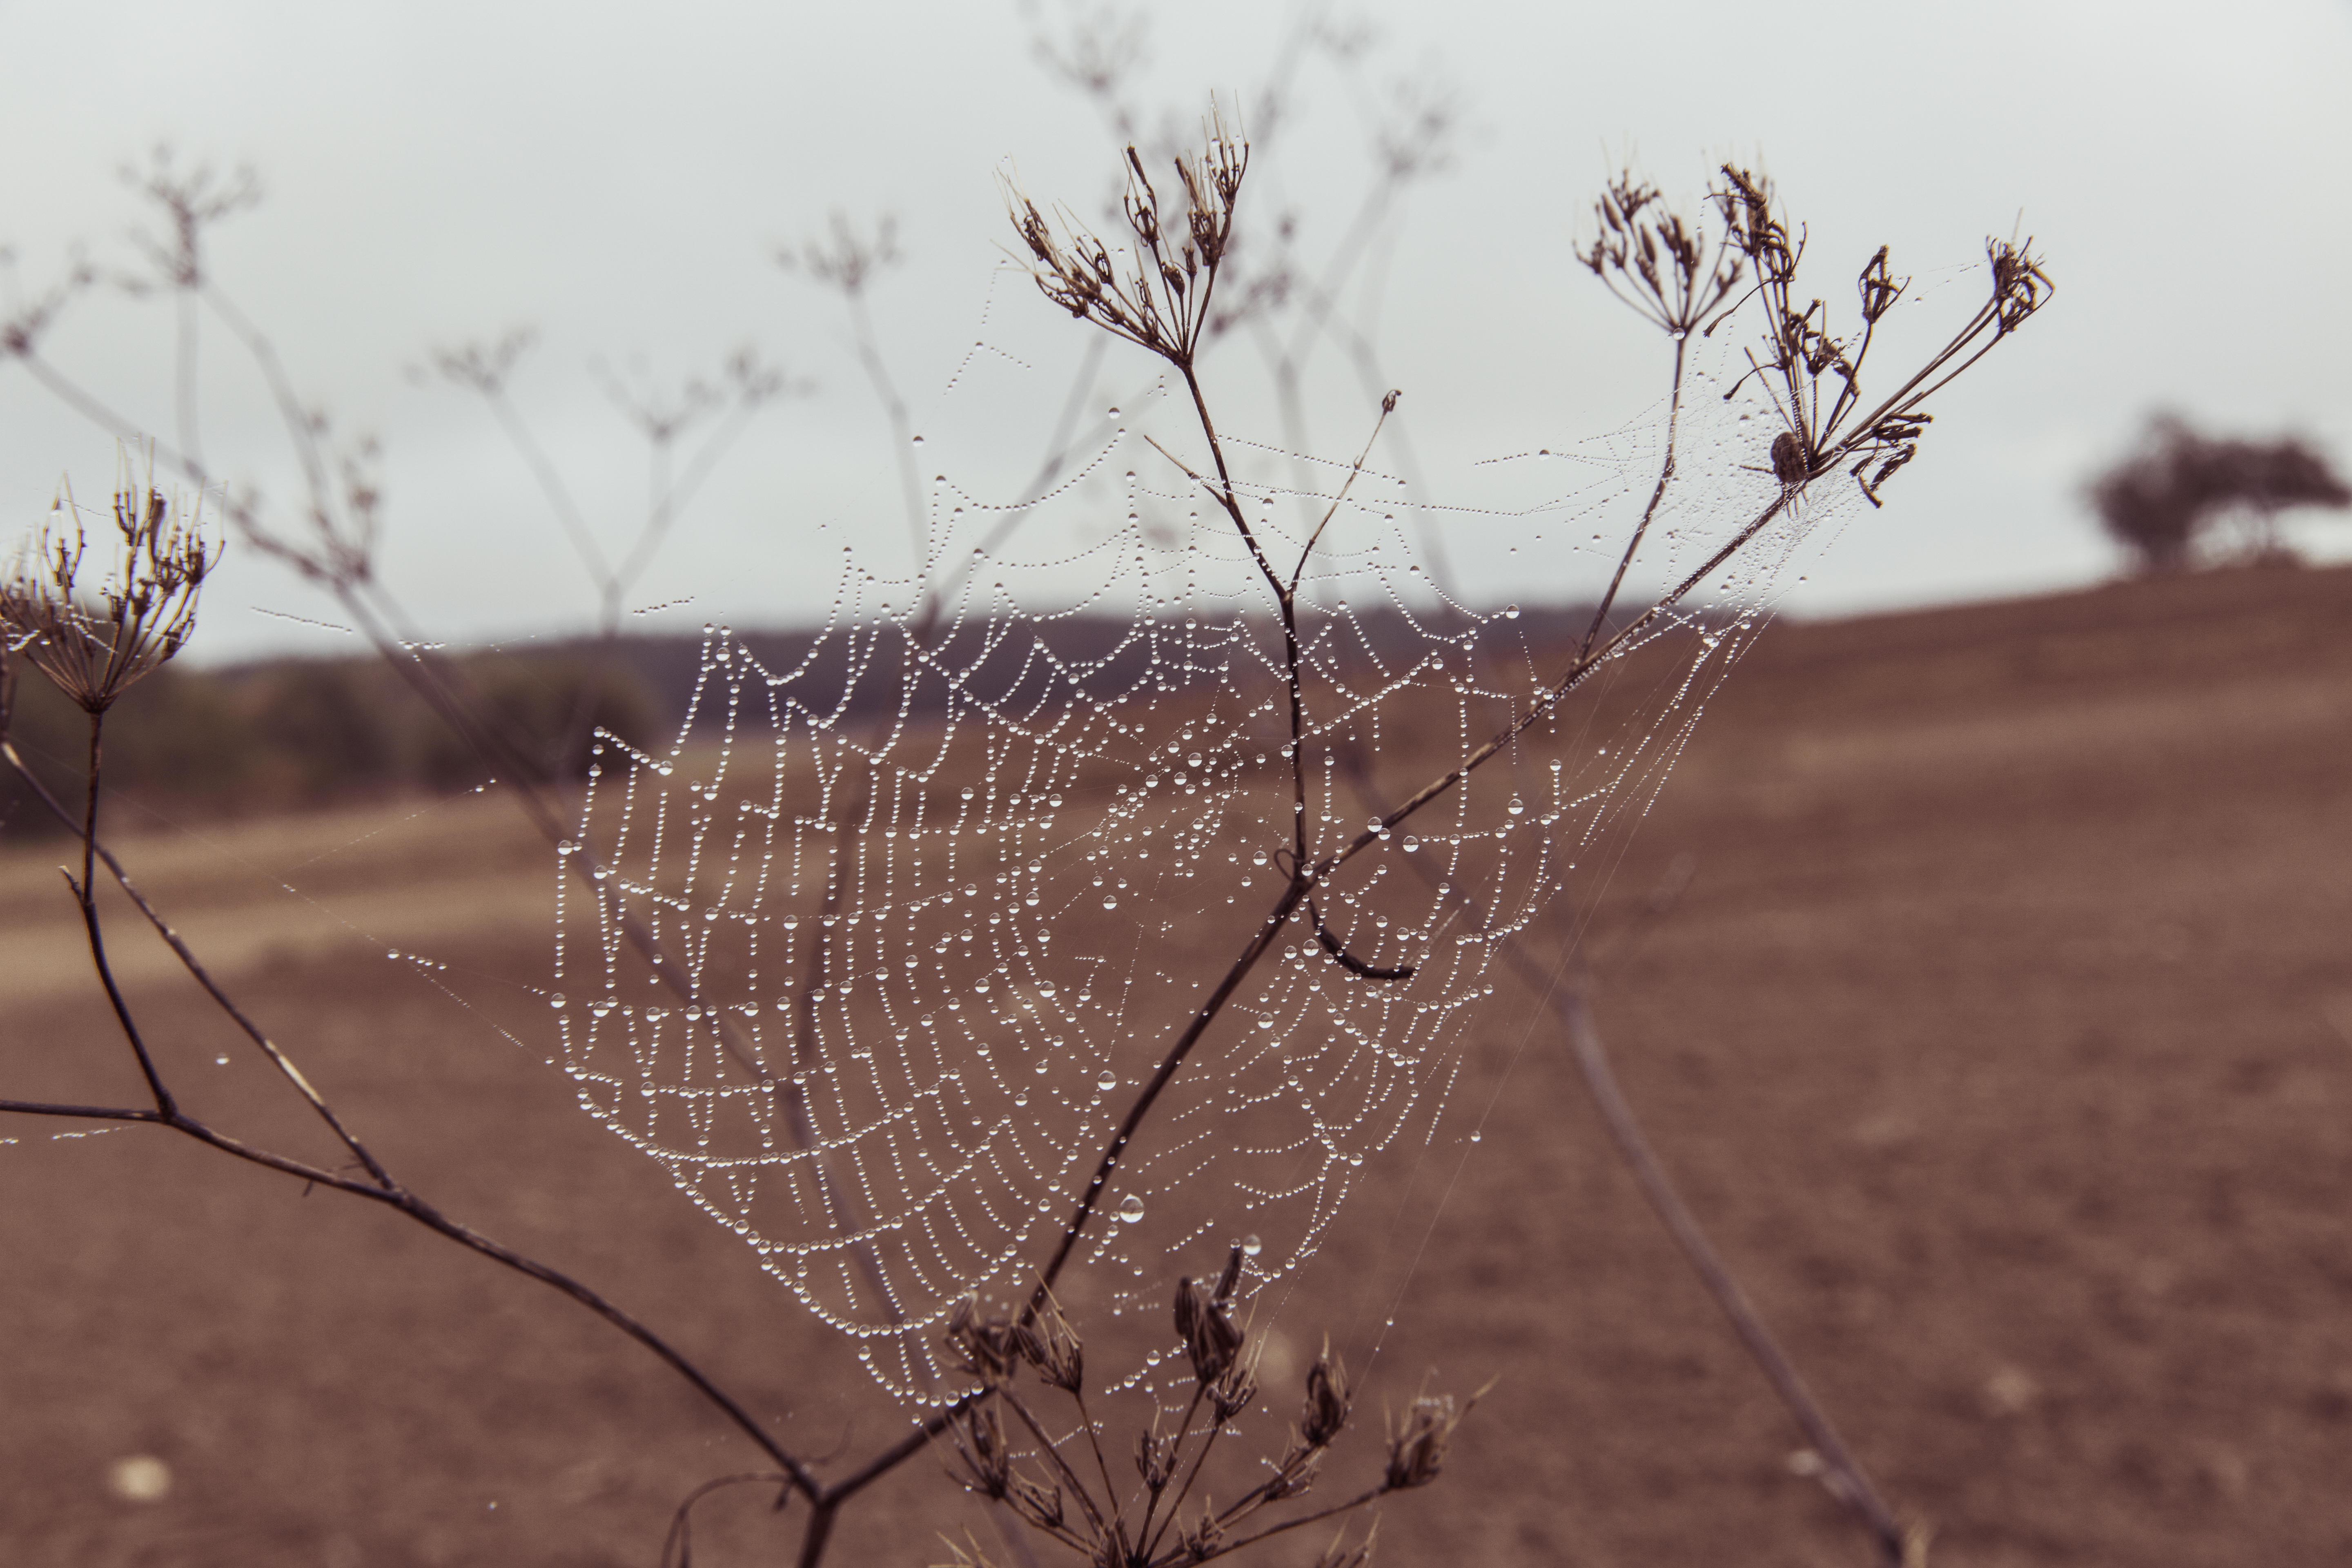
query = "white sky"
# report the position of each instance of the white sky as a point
(618, 178)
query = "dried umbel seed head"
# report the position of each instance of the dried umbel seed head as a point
(1745, 201)
(1417, 1444)
(95, 640)
(1209, 1335)
(1656, 260)
(1161, 300)
(1328, 1401)
(1202, 1541)
(987, 1462)
(1046, 1341)
(1039, 1505)
(1230, 1393)
(986, 1347)
(1155, 1456)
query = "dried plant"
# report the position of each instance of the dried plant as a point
(1146, 1524)
(1157, 291)
(95, 640)
(1816, 382)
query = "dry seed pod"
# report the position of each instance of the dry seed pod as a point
(986, 1348)
(1210, 1338)
(1329, 1400)
(1417, 1444)
(1048, 1343)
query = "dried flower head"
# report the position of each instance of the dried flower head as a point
(1210, 1338)
(1657, 261)
(1417, 1444)
(1046, 1341)
(1155, 1456)
(1329, 1400)
(1037, 1503)
(1205, 1538)
(1156, 296)
(95, 640)
(986, 1347)
(986, 1457)
(1814, 379)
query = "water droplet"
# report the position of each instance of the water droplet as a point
(1516, 805)
(968, 791)
(220, 1061)
(1251, 1246)
(1411, 844)
(1193, 761)
(1476, 1136)
(1510, 612)
(556, 1000)
(1108, 1082)
(1130, 1208)
(1110, 903)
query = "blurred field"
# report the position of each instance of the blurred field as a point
(2004, 1036)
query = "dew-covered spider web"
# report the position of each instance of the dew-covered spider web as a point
(933, 899)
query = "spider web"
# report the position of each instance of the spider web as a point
(945, 888)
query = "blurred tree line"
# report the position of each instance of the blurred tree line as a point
(293, 734)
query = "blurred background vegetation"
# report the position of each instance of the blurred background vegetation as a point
(288, 734)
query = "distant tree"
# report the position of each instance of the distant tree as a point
(2182, 486)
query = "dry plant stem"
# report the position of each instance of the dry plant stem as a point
(1318, 1517)
(386, 1191)
(203, 977)
(870, 356)
(86, 895)
(1144, 1531)
(1306, 876)
(1053, 1457)
(1658, 494)
(1852, 1484)
(405, 1201)
(1573, 1007)
(678, 1546)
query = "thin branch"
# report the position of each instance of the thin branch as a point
(85, 896)
(1665, 474)
(1572, 1004)
(402, 1200)
(202, 975)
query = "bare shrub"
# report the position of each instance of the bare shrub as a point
(2185, 498)
(879, 1178)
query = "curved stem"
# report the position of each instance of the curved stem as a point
(1666, 473)
(86, 895)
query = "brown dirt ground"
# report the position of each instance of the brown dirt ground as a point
(2004, 1038)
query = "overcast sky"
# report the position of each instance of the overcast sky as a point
(618, 178)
